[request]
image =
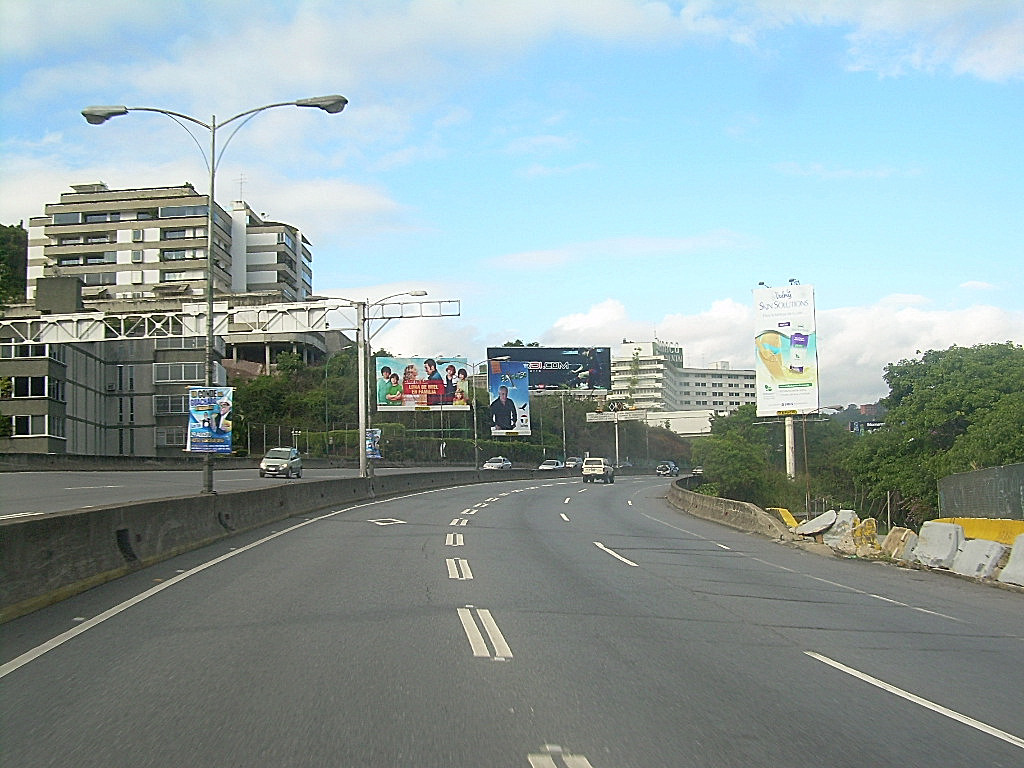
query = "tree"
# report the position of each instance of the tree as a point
(950, 411)
(13, 263)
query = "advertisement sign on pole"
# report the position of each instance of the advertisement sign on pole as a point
(786, 359)
(209, 419)
(508, 388)
(421, 383)
(373, 444)
(559, 368)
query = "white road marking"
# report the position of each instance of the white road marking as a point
(459, 569)
(476, 638)
(1009, 738)
(453, 540)
(382, 521)
(603, 548)
(91, 487)
(459, 521)
(539, 760)
(566, 499)
(565, 517)
(468, 512)
(629, 503)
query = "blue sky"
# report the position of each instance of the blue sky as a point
(576, 173)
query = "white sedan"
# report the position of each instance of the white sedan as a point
(498, 462)
(551, 464)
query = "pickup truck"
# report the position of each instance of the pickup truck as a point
(598, 469)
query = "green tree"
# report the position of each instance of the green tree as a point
(950, 411)
(13, 262)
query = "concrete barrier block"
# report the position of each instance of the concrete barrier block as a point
(1013, 571)
(841, 532)
(938, 544)
(898, 542)
(865, 538)
(978, 558)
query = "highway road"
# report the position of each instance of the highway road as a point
(529, 624)
(29, 493)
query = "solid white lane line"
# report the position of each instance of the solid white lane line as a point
(602, 547)
(476, 639)
(1009, 738)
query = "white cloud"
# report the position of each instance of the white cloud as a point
(977, 285)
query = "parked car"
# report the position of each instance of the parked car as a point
(281, 461)
(667, 469)
(573, 462)
(551, 464)
(497, 462)
(597, 468)
(697, 471)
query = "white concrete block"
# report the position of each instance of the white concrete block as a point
(978, 558)
(1013, 571)
(846, 519)
(938, 544)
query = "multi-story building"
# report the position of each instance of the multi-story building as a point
(650, 376)
(135, 261)
(151, 243)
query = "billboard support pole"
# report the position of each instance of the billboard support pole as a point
(790, 449)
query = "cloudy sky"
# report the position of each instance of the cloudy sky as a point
(575, 172)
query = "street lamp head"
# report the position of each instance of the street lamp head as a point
(333, 103)
(417, 293)
(98, 115)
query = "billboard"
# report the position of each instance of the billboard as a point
(508, 387)
(786, 346)
(555, 368)
(421, 383)
(209, 419)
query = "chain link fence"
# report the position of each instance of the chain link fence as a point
(996, 492)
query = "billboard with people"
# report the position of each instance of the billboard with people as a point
(561, 368)
(209, 419)
(509, 391)
(421, 383)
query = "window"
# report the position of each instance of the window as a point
(181, 254)
(106, 257)
(170, 437)
(181, 211)
(177, 277)
(27, 426)
(29, 386)
(136, 257)
(69, 240)
(67, 218)
(99, 278)
(23, 350)
(286, 239)
(97, 218)
(100, 238)
(164, 373)
(146, 214)
(164, 405)
(181, 342)
(138, 235)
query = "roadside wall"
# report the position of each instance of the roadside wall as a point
(47, 558)
(736, 514)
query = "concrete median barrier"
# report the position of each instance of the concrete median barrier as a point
(47, 558)
(978, 558)
(937, 544)
(1013, 571)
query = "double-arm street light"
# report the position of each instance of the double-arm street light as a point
(100, 114)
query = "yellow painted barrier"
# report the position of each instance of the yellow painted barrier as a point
(988, 528)
(783, 514)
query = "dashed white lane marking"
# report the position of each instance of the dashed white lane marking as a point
(453, 540)
(616, 555)
(1009, 738)
(476, 639)
(459, 569)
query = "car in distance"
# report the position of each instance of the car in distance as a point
(573, 462)
(667, 469)
(551, 464)
(597, 468)
(281, 461)
(497, 462)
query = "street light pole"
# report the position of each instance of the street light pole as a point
(97, 115)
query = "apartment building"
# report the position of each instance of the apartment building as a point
(151, 243)
(651, 376)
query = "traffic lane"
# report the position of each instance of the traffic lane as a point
(27, 493)
(726, 642)
(340, 643)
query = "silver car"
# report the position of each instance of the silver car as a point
(281, 461)
(498, 462)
